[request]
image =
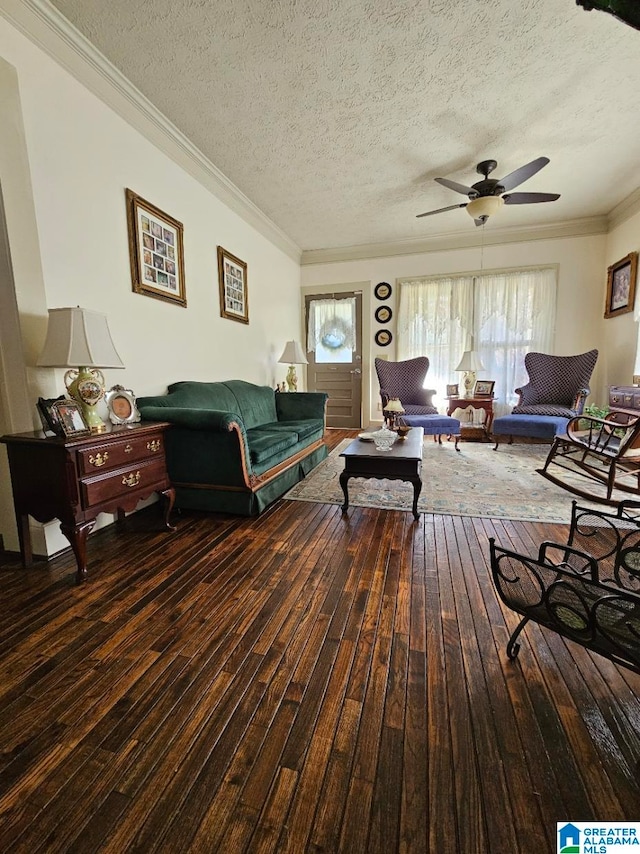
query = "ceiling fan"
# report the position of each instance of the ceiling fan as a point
(486, 197)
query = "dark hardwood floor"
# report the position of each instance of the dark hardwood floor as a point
(299, 682)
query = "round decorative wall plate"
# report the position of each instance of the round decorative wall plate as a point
(382, 290)
(383, 337)
(384, 314)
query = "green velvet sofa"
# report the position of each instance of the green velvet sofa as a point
(235, 447)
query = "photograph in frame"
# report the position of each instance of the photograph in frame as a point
(71, 418)
(121, 404)
(621, 286)
(453, 390)
(232, 282)
(48, 415)
(484, 388)
(156, 251)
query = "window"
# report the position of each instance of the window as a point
(332, 329)
(502, 315)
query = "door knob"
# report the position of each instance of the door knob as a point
(356, 371)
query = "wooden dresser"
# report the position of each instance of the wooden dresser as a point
(74, 479)
(625, 399)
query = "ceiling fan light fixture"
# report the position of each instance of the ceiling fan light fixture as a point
(484, 206)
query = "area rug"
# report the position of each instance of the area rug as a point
(478, 481)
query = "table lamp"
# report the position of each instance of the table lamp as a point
(469, 364)
(293, 355)
(393, 408)
(79, 339)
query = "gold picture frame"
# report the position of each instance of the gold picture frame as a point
(69, 415)
(621, 285)
(156, 251)
(232, 281)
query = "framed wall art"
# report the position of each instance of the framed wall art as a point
(621, 285)
(156, 251)
(384, 314)
(382, 290)
(383, 338)
(232, 280)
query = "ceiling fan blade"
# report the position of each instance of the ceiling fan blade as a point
(459, 188)
(442, 210)
(523, 173)
(529, 198)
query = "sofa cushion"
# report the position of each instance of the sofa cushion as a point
(303, 429)
(255, 403)
(265, 444)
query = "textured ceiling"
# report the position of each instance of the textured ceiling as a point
(334, 116)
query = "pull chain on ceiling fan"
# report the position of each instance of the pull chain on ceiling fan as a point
(487, 197)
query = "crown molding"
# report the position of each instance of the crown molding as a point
(625, 210)
(43, 25)
(571, 228)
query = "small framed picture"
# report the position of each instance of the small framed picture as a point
(156, 251)
(48, 415)
(484, 388)
(121, 403)
(71, 419)
(384, 314)
(452, 390)
(383, 338)
(621, 285)
(232, 281)
(382, 290)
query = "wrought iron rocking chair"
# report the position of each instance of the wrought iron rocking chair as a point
(604, 451)
(587, 590)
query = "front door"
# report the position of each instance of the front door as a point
(335, 355)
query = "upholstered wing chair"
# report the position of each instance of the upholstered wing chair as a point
(405, 380)
(558, 385)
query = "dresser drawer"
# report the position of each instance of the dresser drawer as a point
(106, 487)
(117, 454)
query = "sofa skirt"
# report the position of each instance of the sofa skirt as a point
(240, 502)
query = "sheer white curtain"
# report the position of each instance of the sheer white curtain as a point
(502, 315)
(332, 321)
(434, 320)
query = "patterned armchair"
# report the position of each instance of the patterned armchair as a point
(405, 381)
(558, 385)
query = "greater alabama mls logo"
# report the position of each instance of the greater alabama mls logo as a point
(583, 837)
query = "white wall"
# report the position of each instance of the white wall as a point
(580, 260)
(620, 334)
(79, 156)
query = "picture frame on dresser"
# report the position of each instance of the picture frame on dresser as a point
(621, 285)
(121, 404)
(156, 251)
(483, 388)
(48, 415)
(69, 414)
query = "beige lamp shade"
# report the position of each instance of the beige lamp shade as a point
(394, 405)
(78, 337)
(293, 354)
(470, 361)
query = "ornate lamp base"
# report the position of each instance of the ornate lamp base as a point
(292, 379)
(86, 385)
(469, 383)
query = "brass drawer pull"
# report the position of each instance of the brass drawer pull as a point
(99, 459)
(153, 445)
(131, 479)
(128, 449)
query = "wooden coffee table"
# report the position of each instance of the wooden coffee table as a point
(402, 462)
